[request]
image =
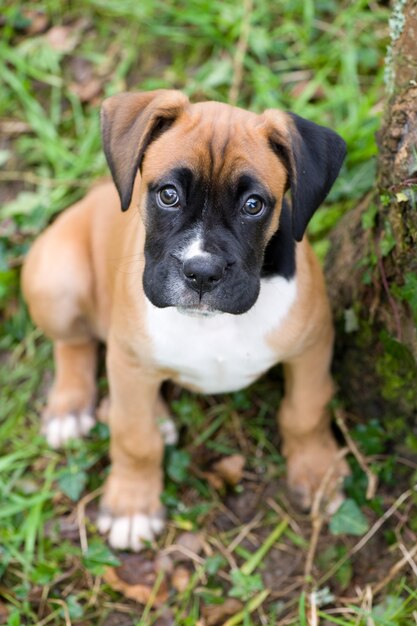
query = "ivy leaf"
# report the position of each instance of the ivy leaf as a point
(75, 609)
(178, 462)
(98, 556)
(245, 585)
(348, 520)
(72, 481)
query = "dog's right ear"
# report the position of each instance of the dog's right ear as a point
(129, 123)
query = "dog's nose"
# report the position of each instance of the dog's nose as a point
(203, 273)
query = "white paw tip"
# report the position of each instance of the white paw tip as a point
(87, 422)
(119, 536)
(168, 431)
(59, 430)
(103, 523)
(157, 525)
(129, 532)
(69, 428)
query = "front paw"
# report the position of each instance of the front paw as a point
(131, 512)
(58, 429)
(315, 467)
(130, 532)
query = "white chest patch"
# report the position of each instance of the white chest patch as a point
(223, 352)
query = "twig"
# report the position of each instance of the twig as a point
(225, 552)
(394, 570)
(408, 555)
(81, 517)
(241, 49)
(372, 478)
(174, 547)
(255, 559)
(250, 607)
(282, 513)
(316, 515)
(245, 531)
(314, 620)
(65, 609)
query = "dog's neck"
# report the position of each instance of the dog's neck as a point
(279, 259)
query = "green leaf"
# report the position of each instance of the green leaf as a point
(98, 556)
(72, 482)
(344, 574)
(245, 585)
(386, 613)
(178, 462)
(75, 609)
(44, 573)
(214, 563)
(348, 520)
(14, 619)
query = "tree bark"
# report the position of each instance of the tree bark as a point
(371, 268)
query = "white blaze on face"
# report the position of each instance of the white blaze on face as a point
(194, 245)
(195, 248)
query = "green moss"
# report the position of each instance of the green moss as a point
(377, 379)
(398, 373)
(408, 292)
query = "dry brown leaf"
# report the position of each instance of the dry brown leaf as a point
(81, 69)
(135, 578)
(217, 613)
(87, 91)
(299, 88)
(139, 593)
(189, 544)
(62, 38)
(164, 563)
(180, 578)
(38, 21)
(230, 468)
(214, 480)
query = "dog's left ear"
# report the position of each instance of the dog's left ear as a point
(129, 123)
(313, 156)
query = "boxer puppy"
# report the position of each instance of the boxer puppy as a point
(207, 280)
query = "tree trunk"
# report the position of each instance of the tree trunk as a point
(371, 268)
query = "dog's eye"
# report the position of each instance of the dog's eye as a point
(254, 205)
(168, 197)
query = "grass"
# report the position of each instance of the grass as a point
(322, 60)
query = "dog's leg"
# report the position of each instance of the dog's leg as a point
(69, 412)
(57, 284)
(308, 443)
(131, 507)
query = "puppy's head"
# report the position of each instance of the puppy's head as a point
(213, 179)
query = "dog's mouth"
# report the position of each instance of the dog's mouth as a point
(202, 311)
